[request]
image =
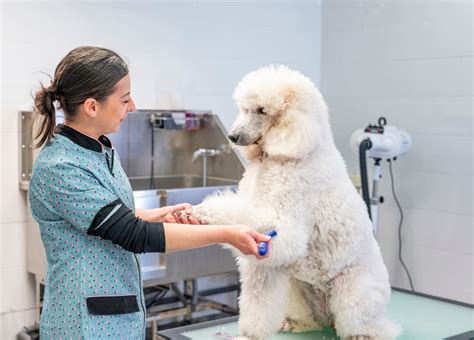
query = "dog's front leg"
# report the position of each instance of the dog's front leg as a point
(262, 301)
(291, 242)
(225, 208)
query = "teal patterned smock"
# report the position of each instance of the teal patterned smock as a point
(93, 287)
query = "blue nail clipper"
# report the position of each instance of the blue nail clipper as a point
(263, 246)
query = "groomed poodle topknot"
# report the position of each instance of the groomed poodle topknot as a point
(325, 267)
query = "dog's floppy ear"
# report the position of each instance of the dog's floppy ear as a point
(295, 135)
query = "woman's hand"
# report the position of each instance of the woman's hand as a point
(246, 240)
(179, 213)
(183, 216)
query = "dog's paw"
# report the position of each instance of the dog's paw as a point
(200, 212)
(294, 326)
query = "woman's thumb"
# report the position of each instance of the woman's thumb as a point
(258, 237)
(182, 206)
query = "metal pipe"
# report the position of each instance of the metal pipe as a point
(195, 296)
(204, 171)
(374, 200)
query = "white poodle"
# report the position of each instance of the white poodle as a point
(325, 267)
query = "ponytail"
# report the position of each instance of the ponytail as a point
(45, 115)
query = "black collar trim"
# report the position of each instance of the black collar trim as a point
(81, 139)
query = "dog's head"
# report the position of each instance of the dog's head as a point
(281, 114)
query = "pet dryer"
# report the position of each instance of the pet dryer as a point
(379, 142)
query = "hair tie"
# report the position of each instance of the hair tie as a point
(53, 95)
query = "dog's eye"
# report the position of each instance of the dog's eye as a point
(260, 110)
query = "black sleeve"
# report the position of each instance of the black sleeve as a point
(117, 223)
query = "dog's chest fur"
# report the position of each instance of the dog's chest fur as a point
(315, 193)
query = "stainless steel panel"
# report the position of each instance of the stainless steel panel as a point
(25, 125)
(174, 149)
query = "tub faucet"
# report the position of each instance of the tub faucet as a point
(205, 153)
(211, 152)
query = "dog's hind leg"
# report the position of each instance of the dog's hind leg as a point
(262, 300)
(300, 316)
(357, 301)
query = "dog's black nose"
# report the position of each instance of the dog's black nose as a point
(234, 138)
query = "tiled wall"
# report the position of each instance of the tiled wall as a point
(181, 54)
(411, 61)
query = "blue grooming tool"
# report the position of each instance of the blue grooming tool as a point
(263, 246)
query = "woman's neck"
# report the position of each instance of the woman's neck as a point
(84, 129)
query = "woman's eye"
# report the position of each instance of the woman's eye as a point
(260, 111)
(126, 102)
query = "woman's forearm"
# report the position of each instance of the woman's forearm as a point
(185, 236)
(144, 214)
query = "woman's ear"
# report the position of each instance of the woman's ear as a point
(91, 107)
(295, 135)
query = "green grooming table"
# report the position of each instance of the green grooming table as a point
(421, 317)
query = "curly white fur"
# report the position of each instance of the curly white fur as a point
(325, 268)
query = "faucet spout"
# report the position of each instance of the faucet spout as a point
(206, 153)
(198, 153)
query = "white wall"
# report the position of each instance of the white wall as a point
(181, 54)
(411, 61)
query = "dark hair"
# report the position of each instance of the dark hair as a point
(85, 72)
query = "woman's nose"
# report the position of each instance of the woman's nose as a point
(131, 106)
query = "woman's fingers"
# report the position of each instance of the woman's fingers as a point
(182, 217)
(193, 220)
(258, 237)
(169, 218)
(247, 241)
(183, 214)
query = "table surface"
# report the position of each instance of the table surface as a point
(420, 317)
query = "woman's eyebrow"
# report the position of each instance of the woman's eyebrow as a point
(126, 94)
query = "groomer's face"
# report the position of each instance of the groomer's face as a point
(116, 107)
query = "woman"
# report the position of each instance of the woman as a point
(83, 203)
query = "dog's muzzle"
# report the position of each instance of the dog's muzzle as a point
(242, 140)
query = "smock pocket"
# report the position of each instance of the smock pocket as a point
(112, 304)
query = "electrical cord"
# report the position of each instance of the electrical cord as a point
(399, 227)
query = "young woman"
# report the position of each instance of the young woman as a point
(83, 203)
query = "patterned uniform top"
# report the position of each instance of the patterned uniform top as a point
(93, 287)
